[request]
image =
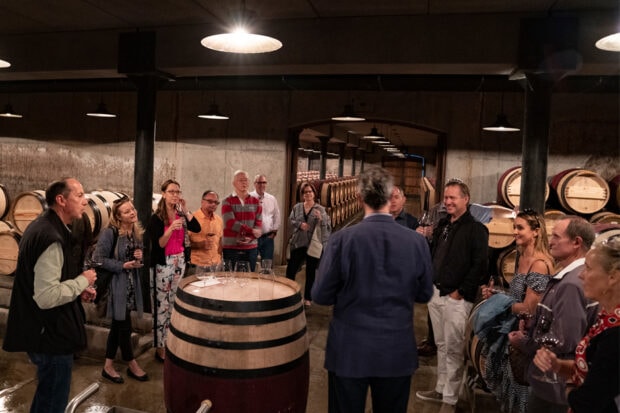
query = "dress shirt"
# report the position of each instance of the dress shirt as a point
(271, 211)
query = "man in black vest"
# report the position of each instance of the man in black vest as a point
(46, 318)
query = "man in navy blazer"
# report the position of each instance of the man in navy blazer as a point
(372, 273)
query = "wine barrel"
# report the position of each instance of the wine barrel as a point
(475, 346)
(500, 227)
(9, 248)
(26, 207)
(243, 348)
(605, 217)
(580, 191)
(6, 226)
(328, 194)
(506, 262)
(509, 187)
(614, 193)
(5, 202)
(97, 212)
(551, 216)
(604, 232)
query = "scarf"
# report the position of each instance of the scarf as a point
(603, 322)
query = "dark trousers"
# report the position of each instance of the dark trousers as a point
(265, 247)
(348, 395)
(242, 255)
(54, 382)
(120, 336)
(298, 256)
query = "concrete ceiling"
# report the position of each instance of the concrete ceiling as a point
(328, 44)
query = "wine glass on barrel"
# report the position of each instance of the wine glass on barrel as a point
(548, 334)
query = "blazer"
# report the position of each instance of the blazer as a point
(373, 273)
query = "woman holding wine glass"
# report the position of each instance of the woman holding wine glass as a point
(122, 257)
(305, 217)
(595, 371)
(533, 268)
(170, 248)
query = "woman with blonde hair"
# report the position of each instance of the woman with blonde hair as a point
(119, 249)
(534, 266)
(594, 373)
(170, 249)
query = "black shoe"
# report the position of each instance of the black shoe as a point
(117, 380)
(144, 377)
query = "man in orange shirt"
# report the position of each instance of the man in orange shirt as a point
(207, 244)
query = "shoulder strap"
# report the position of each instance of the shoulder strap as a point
(115, 239)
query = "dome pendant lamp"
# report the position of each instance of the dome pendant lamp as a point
(501, 123)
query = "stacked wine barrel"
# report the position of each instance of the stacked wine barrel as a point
(574, 191)
(337, 195)
(29, 205)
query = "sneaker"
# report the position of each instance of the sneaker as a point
(429, 395)
(447, 408)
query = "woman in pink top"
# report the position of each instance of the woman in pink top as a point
(167, 233)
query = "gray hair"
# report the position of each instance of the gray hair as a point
(579, 227)
(240, 172)
(375, 187)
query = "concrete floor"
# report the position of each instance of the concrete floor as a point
(17, 382)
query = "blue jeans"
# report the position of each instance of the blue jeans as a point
(54, 375)
(242, 255)
(265, 247)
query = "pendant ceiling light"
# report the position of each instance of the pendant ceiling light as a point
(101, 112)
(610, 43)
(240, 38)
(9, 113)
(348, 115)
(4, 63)
(214, 113)
(501, 123)
(374, 134)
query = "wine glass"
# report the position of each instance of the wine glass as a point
(226, 268)
(242, 267)
(427, 223)
(266, 266)
(548, 334)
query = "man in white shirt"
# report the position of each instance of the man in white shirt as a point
(271, 217)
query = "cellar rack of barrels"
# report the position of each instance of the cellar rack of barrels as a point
(575, 191)
(336, 195)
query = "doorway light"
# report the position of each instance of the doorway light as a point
(214, 113)
(101, 112)
(348, 115)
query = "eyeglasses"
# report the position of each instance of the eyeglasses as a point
(211, 201)
(174, 192)
(260, 182)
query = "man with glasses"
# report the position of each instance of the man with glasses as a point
(459, 251)
(242, 216)
(207, 244)
(271, 217)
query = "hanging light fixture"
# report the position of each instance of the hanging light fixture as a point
(4, 64)
(501, 123)
(9, 113)
(610, 43)
(348, 115)
(374, 134)
(101, 112)
(239, 38)
(214, 113)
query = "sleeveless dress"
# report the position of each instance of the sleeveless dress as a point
(498, 374)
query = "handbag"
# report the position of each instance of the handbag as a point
(315, 249)
(518, 364)
(104, 277)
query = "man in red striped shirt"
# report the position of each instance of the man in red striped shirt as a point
(241, 213)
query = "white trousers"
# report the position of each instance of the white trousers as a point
(449, 319)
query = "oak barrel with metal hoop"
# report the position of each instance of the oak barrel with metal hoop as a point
(474, 347)
(5, 202)
(580, 191)
(244, 347)
(506, 263)
(9, 248)
(509, 187)
(501, 227)
(26, 207)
